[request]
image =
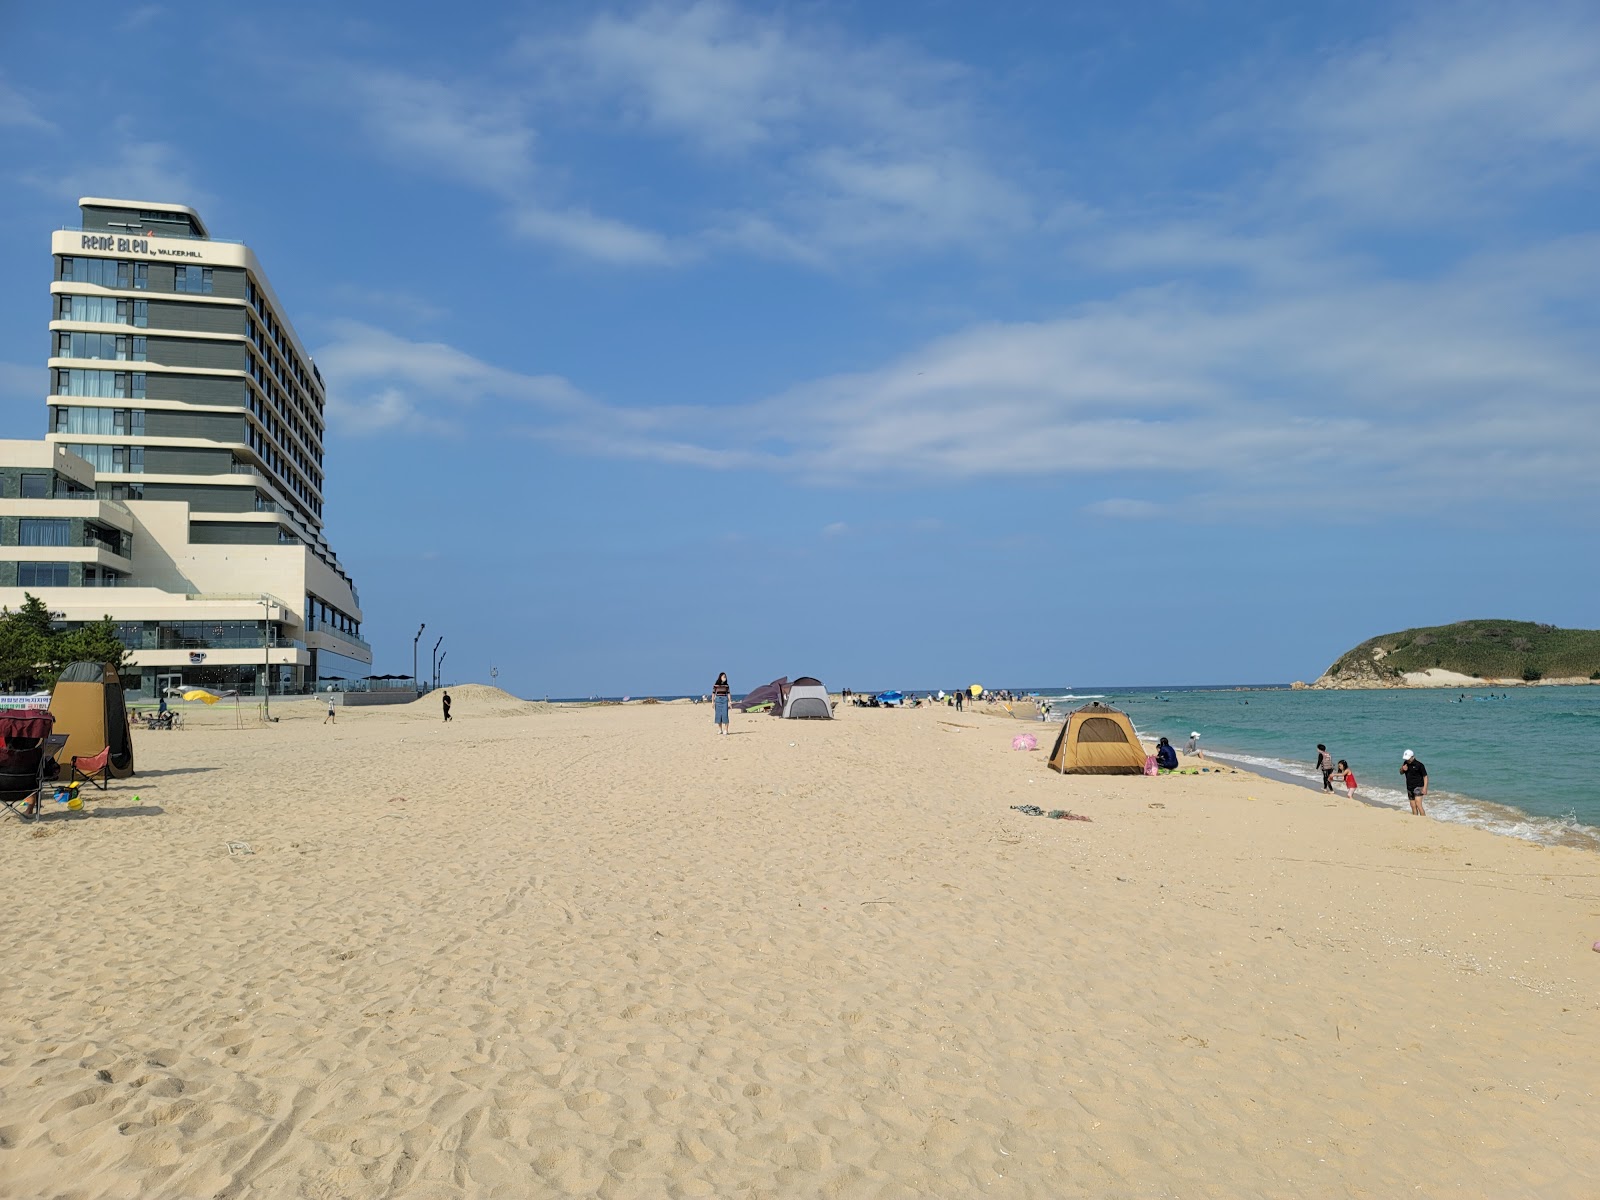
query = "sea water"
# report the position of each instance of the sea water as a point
(1522, 761)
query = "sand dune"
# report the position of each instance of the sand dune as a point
(601, 952)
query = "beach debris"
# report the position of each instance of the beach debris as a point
(1028, 810)
(1063, 814)
(1596, 947)
(239, 849)
(397, 799)
(1024, 741)
(1155, 804)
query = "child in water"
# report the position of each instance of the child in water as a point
(1349, 779)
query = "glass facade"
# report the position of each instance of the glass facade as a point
(44, 531)
(105, 385)
(101, 345)
(128, 460)
(104, 310)
(37, 574)
(106, 272)
(102, 421)
(192, 279)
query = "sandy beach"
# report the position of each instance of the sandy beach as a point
(602, 952)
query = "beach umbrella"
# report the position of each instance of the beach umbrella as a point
(976, 689)
(201, 694)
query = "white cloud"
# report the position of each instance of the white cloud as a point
(140, 169)
(597, 237)
(838, 146)
(1126, 510)
(19, 112)
(378, 381)
(480, 136)
(1326, 396)
(482, 140)
(1456, 113)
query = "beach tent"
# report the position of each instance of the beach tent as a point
(767, 694)
(88, 707)
(1097, 740)
(807, 698)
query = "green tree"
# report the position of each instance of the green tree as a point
(33, 651)
(27, 645)
(96, 642)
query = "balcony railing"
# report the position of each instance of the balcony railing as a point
(315, 626)
(117, 547)
(152, 640)
(146, 230)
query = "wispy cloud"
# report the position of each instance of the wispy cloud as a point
(379, 381)
(850, 144)
(19, 112)
(1331, 395)
(1461, 111)
(139, 169)
(1126, 510)
(480, 136)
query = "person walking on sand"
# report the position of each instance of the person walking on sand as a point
(1349, 779)
(1416, 781)
(1325, 765)
(719, 700)
(333, 714)
(447, 706)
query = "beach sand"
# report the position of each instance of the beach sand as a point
(548, 951)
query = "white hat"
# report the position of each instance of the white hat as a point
(1407, 756)
(1194, 735)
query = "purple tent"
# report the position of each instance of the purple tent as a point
(773, 692)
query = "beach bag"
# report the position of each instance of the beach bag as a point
(1150, 764)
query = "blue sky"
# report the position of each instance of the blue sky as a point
(899, 343)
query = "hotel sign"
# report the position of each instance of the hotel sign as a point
(131, 245)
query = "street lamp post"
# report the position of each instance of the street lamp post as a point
(416, 684)
(266, 659)
(442, 657)
(436, 646)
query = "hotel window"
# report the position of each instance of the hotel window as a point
(192, 279)
(36, 574)
(119, 459)
(36, 486)
(39, 531)
(100, 345)
(101, 310)
(122, 491)
(102, 272)
(75, 382)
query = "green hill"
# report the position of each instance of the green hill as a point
(1500, 650)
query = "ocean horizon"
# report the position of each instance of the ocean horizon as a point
(1511, 760)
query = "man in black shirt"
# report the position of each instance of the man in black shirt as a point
(1416, 781)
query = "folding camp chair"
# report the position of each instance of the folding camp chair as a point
(25, 768)
(87, 767)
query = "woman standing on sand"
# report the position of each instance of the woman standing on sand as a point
(719, 701)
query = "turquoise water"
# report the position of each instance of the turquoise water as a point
(1527, 765)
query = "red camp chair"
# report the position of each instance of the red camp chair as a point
(87, 767)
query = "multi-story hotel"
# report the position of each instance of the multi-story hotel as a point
(181, 489)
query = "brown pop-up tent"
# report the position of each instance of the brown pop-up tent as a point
(1097, 740)
(88, 707)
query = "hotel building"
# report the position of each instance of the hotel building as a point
(180, 488)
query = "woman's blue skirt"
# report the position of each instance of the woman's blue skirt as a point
(720, 703)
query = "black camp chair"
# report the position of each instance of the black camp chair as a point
(28, 766)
